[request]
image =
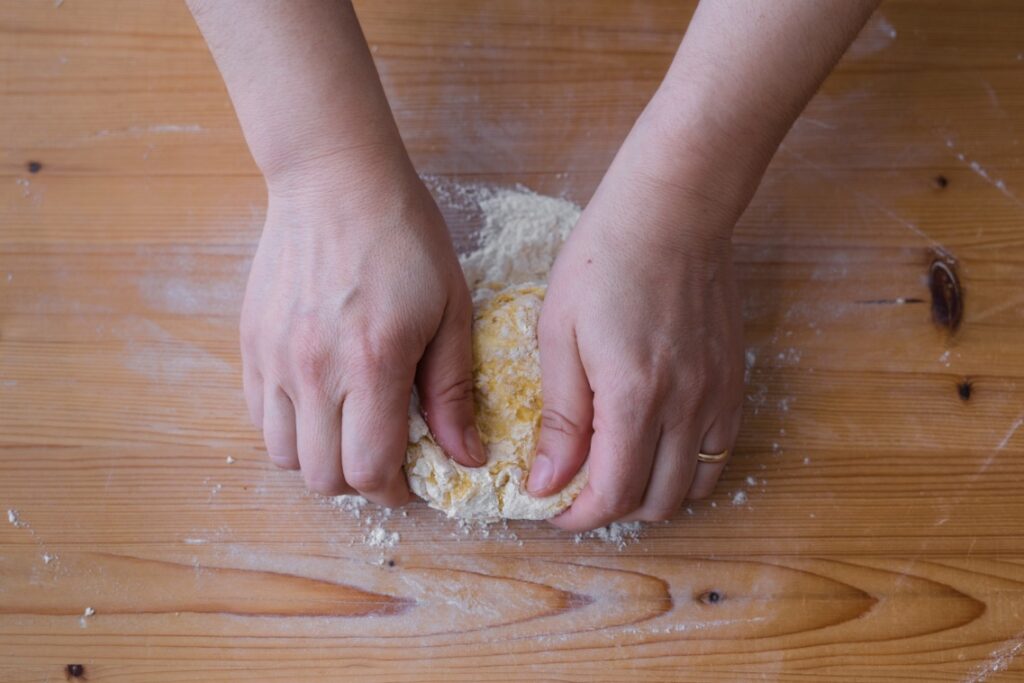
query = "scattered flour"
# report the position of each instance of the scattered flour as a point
(739, 498)
(999, 659)
(347, 503)
(229, 460)
(15, 520)
(619, 534)
(89, 612)
(379, 537)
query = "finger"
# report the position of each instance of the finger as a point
(252, 387)
(621, 455)
(318, 431)
(445, 381)
(374, 437)
(279, 427)
(675, 462)
(567, 416)
(721, 436)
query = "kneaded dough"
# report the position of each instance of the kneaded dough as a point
(506, 373)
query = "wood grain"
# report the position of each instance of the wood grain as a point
(883, 535)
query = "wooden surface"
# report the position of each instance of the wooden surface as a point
(882, 539)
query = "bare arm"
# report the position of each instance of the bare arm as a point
(303, 84)
(641, 333)
(743, 73)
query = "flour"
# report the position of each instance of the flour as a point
(619, 534)
(15, 520)
(379, 537)
(520, 238)
(374, 518)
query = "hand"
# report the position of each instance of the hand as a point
(355, 290)
(641, 353)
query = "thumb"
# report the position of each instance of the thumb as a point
(445, 382)
(567, 416)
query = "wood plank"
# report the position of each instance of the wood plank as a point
(882, 453)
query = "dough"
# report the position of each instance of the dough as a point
(506, 371)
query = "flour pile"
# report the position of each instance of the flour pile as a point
(520, 238)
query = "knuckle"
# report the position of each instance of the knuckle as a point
(373, 360)
(284, 462)
(308, 352)
(324, 483)
(369, 479)
(700, 492)
(554, 420)
(659, 513)
(617, 504)
(454, 391)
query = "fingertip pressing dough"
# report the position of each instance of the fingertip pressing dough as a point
(506, 373)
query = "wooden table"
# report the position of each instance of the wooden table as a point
(882, 262)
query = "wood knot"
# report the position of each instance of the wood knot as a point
(964, 388)
(711, 597)
(947, 295)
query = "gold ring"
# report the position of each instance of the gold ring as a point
(712, 457)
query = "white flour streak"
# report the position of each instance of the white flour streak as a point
(983, 173)
(139, 131)
(1009, 435)
(999, 659)
(877, 35)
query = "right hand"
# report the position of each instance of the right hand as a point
(355, 293)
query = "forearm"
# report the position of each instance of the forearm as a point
(303, 84)
(743, 73)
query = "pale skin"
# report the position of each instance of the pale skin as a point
(355, 294)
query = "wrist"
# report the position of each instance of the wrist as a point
(298, 163)
(710, 169)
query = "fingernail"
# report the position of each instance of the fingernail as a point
(474, 446)
(540, 473)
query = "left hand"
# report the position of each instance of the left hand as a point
(641, 352)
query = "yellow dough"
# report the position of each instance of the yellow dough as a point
(506, 373)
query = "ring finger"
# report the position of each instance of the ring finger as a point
(719, 438)
(671, 476)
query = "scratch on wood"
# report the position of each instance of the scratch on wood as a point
(1009, 434)
(871, 201)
